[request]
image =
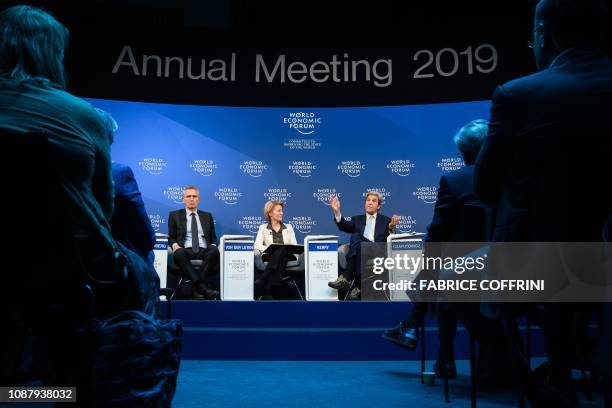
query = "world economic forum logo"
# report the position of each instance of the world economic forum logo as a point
(304, 123)
(254, 168)
(204, 168)
(322, 194)
(156, 221)
(303, 169)
(447, 164)
(380, 190)
(402, 168)
(251, 223)
(153, 165)
(406, 224)
(278, 194)
(228, 195)
(174, 194)
(427, 194)
(351, 168)
(303, 224)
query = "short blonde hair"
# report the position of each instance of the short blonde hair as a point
(269, 206)
(374, 193)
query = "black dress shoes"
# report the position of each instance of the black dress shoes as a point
(211, 294)
(202, 292)
(262, 289)
(260, 284)
(197, 295)
(543, 393)
(404, 337)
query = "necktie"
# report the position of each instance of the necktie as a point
(195, 237)
(369, 227)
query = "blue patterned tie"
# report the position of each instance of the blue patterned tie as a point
(369, 226)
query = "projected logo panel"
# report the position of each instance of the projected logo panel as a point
(242, 157)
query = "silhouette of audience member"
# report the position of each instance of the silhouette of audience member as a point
(449, 224)
(77, 199)
(130, 223)
(549, 142)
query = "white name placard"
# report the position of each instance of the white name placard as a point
(237, 267)
(321, 257)
(160, 263)
(410, 245)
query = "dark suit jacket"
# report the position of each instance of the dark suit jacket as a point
(458, 217)
(177, 227)
(358, 222)
(130, 223)
(544, 163)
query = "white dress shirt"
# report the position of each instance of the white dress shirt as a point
(188, 237)
(371, 234)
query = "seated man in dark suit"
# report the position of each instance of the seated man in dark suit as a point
(370, 227)
(191, 235)
(130, 223)
(449, 224)
(560, 114)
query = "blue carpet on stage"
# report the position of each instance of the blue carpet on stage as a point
(298, 330)
(320, 384)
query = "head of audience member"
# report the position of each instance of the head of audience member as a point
(273, 211)
(563, 24)
(469, 139)
(32, 45)
(191, 198)
(373, 201)
(109, 122)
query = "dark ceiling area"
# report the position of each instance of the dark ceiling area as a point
(283, 19)
(352, 22)
(288, 20)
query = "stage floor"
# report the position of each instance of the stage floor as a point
(328, 384)
(304, 331)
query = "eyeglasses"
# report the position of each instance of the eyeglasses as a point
(530, 42)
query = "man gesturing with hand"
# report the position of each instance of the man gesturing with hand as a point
(369, 227)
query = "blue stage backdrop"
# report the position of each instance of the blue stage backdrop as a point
(242, 157)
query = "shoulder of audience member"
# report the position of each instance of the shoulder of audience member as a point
(122, 177)
(523, 86)
(459, 173)
(79, 111)
(120, 168)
